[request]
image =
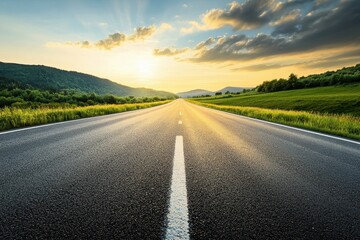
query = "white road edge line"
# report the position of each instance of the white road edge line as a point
(180, 122)
(45, 125)
(177, 222)
(302, 130)
(285, 126)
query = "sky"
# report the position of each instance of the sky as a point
(183, 45)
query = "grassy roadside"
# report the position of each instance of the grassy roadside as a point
(334, 100)
(15, 117)
(341, 125)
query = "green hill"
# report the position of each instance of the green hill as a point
(342, 99)
(43, 77)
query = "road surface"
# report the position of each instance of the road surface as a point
(177, 170)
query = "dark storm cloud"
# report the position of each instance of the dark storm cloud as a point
(317, 30)
(248, 15)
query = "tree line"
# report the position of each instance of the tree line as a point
(19, 95)
(343, 76)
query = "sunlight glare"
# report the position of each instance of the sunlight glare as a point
(144, 67)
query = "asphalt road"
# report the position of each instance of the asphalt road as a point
(109, 177)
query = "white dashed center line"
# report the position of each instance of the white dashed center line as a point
(180, 122)
(177, 225)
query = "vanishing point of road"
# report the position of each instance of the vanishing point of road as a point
(177, 171)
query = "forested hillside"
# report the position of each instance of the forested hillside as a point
(15, 94)
(48, 78)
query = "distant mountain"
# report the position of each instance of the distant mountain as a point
(194, 93)
(43, 77)
(202, 92)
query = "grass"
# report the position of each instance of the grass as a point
(15, 117)
(333, 110)
(334, 99)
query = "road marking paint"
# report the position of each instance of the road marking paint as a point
(180, 122)
(177, 225)
(180, 113)
(45, 125)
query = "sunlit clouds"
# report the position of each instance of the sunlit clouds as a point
(291, 30)
(117, 39)
(169, 51)
(182, 45)
(240, 16)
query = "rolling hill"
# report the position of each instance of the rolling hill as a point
(203, 92)
(232, 89)
(195, 92)
(342, 99)
(44, 77)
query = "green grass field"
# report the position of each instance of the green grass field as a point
(333, 110)
(16, 117)
(341, 125)
(334, 99)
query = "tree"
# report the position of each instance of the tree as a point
(110, 99)
(218, 93)
(293, 81)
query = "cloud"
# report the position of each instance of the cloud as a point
(113, 40)
(82, 44)
(117, 39)
(165, 27)
(291, 33)
(240, 48)
(195, 26)
(338, 59)
(142, 33)
(330, 63)
(292, 16)
(206, 43)
(324, 3)
(262, 67)
(248, 15)
(335, 60)
(169, 51)
(253, 14)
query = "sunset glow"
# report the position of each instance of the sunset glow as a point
(182, 45)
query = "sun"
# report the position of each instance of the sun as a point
(145, 67)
